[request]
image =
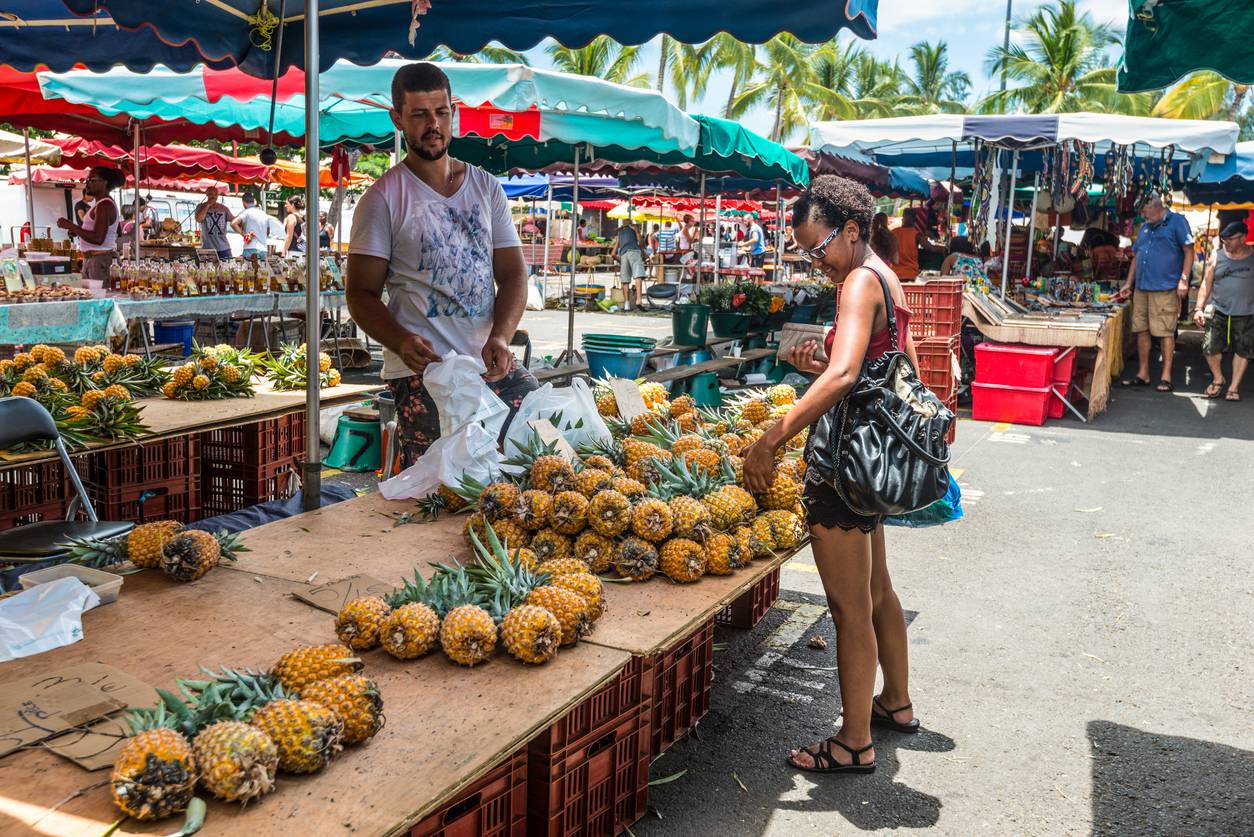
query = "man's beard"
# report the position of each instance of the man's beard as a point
(424, 153)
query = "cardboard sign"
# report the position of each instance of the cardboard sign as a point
(94, 748)
(549, 435)
(44, 705)
(206, 256)
(794, 334)
(630, 401)
(334, 595)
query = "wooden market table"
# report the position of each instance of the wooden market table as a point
(166, 418)
(1067, 328)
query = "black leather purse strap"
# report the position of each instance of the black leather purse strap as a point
(890, 309)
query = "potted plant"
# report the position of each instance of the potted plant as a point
(735, 306)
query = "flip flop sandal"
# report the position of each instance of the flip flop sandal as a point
(1215, 390)
(1164, 386)
(825, 762)
(886, 720)
(1232, 395)
(1134, 382)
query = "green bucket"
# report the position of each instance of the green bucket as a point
(730, 324)
(705, 391)
(689, 323)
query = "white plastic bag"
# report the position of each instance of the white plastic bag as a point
(471, 451)
(461, 396)
(45, 617)
(572, 409)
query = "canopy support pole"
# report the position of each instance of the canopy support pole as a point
(138, 218)
(1036, 184)
(548, 228)
(569, 355)
(953, 174)
(779, 234)
(339, 222)
(30, 187)
(718, 233)
(1010, 215)
(700, 240)
(396, 148)
(312, 466)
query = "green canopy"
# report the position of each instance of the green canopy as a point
(1169, 39)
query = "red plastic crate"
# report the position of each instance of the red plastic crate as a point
(1064, 369)
(31, 514)
(748, 610)
(228, 488)
(177, 499)
(494, 806)
(259, 443)
(588, 773)
(1017, 405)
(935, 307)
(23, 487)
(141, 465)
(937, 356)
(681, 680)
(1014, 365)
(952, 433)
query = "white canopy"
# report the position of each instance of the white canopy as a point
(13, 150)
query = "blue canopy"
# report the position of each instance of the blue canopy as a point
(1231, 181)
(363, 32)
(537, 186)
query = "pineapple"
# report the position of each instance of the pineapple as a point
(512, 534)
(548, 545)
(499, 500)
(200, 382)
(631, 489)
(37, 352)
(467, 633)
(756, 411)
(704, 461)
(355, 699)
(735, 444)
(781, 394)
(737, 464)
(653, 393)
(783, 493)
(687, 422)
(113, 364)
(533, 509)
(682, 560)
(609, 513)
(142, 546)
(751, 544)
(586, 585)
(24, 389)
(307, 734)
(237, 761)
(692, 518)
(453, 501)
(570, 513)
(570, 608)
(91, 398)
(192, 553)
(302, 666)
(531, 633)
(551, 473)
(591, 480)
(682, 406)
(778, 413)
(787, 529)
(409, 631)
(798, 442)
(524, 557)
(563, 566)
(685, 443)
(601, 463)
(607, 404)
(118, 391)
(358, 623)
(475, 524)
(635, 559)
(730, 505)
(597, 551)
(154, 774)
(724, 554)
(652, 520)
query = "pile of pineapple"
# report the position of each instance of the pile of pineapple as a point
(287, 370)
(182, 554)
(232, 732)
(501, 597)
(212, 373)
(89, 394)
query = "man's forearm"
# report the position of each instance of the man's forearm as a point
(373, 317)
(1189, 257)
(511, 300)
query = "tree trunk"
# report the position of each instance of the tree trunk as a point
(731, 94)
(777, 128)
(1239, 92)
(661, 64)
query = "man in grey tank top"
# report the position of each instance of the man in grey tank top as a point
(1229, 284)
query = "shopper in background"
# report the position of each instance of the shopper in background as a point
(1158, 279)
(326, 231)
(98, 233)
(1229, 283)
(626, 249)
(883, 242)
(294, 225)
(215, 219)
(963, 261)
(254, 225)
(906, 265)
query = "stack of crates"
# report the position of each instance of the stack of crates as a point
(936, 326)
(158, 480)
(251, 463)
(31, 493)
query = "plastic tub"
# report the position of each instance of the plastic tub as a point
(603, 364)
(1014, 365)
(175, 332)
(106, 585)
(1017, 405)
(730, 324)
(689, 323)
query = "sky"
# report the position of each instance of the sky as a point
(971, 28)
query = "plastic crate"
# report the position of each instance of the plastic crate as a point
(748, 610)
(227, 488)
(177, 499)
(142, 465)
(935, 307)
(32, 514)
(1017, 405)
(25, 487)
(588, 773)
(937, 356)
(494, 806)
(259, 443)
(1015, 365)
(680, 687)
(952, 433)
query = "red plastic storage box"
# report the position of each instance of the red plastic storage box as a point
(494, 806)
(1014, 365)
(1017, 405)
(1064, 369)
(752, 606)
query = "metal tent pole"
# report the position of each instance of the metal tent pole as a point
(1010, 213)
(137, 217)
(30, 187)
(312, 466)
(396, 148)
(548, 229)
(700, 239)
(1036, 184)
(574, 261)
(718, 233)
(779, 234)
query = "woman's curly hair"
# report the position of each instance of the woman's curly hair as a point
(835, 200)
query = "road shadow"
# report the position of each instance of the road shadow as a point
(1148, 783)
(765, 701)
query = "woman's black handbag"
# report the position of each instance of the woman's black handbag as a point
(883, 448)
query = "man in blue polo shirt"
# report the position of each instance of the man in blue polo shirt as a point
(1158, 279)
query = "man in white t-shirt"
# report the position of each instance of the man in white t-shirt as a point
(254, 225)
(437, 234)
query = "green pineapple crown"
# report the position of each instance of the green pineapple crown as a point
(676, 479)
(611, 449)
(97, 552)
(504, 582)
(530, 450)
(233, 693)
(418, 591)
(452, 588)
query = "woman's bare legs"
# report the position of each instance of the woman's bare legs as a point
(890, 632)
(844, 560)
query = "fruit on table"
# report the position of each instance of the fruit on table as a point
(410, 631)
(609, 513)
(636, 559)
(237, 761)
(682, 560)
(548, 545)
(355, 698)
(594, 550)
(155, 772)
(586, 585)
(531, 634)
(651, 519)
(358, 622)
(533, 509)
(468, 635)
(301, 666)
(560, 566)
(191, 553)
(142, 546)
(307, 734)
(570, 513)
(724, 554)
(571, 610)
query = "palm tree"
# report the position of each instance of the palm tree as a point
(782, 82)
(849, 83)
(877, 86)
(487, 55)
(1060, 61)
(741, 58)
(933, 87)
(665, 48)
(604, 58)
(690, 69)
(1204, 95)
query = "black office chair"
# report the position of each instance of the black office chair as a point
(26, 420)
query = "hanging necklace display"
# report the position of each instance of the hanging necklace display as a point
(981, 191)
(1164, 184)
(1084, 167)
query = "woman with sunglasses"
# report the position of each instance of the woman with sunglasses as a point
(98, 234)
(832, 227)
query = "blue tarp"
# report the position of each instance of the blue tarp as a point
(1231, 181)
(537, 186)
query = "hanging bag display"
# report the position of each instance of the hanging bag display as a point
(883, 448)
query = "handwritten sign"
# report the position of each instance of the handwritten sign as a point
(94, 748)
(48, 704)
(630, 401)
(334, 595)
(550, 435)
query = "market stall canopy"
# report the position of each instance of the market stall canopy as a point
(1227, 183)
(70, 176)
(1167, 41)
(167, 161)
(292, 173)
(43, 34)
(13, 150)
(937, 142)
(363, 31)
(538, 185)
